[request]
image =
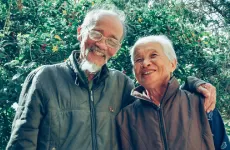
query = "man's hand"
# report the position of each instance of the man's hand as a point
(209, 93)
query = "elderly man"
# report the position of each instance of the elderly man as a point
(72, 105)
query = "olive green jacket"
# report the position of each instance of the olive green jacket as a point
(58, 111)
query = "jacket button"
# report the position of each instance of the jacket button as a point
(111, 109)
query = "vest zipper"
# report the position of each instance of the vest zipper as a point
(93, 122)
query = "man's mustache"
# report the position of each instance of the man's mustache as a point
(95, 48)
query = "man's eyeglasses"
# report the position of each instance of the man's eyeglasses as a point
(111, 42)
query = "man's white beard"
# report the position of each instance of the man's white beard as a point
(86, 65)
(91, 67)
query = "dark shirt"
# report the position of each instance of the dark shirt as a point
(220, 137)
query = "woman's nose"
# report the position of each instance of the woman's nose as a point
(146, 63)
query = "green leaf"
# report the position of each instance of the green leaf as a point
(12, 63)
(16, 76)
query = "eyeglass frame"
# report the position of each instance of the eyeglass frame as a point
(103, 37)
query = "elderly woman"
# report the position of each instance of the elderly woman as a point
(164, 116)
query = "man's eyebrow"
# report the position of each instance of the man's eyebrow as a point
(115, 38)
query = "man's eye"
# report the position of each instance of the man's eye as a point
(95, 34)
(112, 42)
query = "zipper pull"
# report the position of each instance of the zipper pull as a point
(91, 95)
(158, 107)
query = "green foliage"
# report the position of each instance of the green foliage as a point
(38, 32)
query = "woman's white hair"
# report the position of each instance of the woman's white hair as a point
(162, 40)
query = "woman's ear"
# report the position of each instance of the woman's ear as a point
(79, 36)
(174, 65)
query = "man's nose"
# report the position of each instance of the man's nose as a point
(102, 44)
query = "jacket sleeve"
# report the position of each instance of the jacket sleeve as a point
(123, 139)
(192, 83)
(220, 137)
(29, 113)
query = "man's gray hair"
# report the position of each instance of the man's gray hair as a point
(105, 9)
(162, 40)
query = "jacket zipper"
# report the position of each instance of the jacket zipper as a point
(162, 128)
(93, 122)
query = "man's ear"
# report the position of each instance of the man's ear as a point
(79, 36)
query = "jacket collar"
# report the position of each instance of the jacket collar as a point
(81, 78)
(173, 85)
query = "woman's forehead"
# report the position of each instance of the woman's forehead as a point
(147, 47)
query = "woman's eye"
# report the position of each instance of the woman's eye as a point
(153, 55)
(138, 60)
